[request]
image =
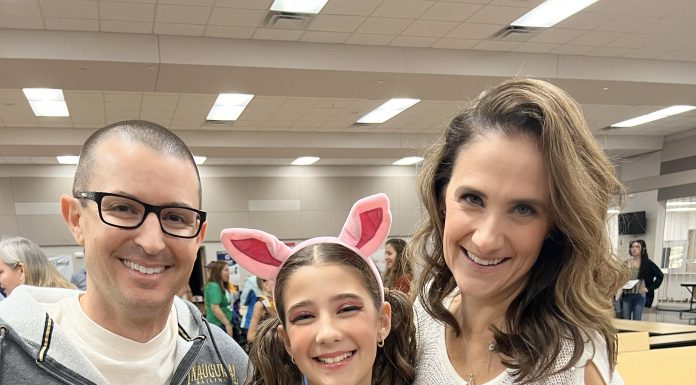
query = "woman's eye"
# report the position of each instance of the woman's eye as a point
(472, 199)
(524, 210)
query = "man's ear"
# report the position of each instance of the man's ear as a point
(201, 235)
(384, 321)
(286, 340)
(71, 212)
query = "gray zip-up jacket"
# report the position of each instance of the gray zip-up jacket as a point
(34, 350)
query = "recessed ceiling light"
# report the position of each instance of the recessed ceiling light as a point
(388, 110)
(305, 160)
(200, 159)
(551, 12)
(46, 102)
(660, 114)
(67, 159)
(228, 107)
(298, 6)
(407, 161)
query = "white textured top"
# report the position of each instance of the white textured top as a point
(433, 366)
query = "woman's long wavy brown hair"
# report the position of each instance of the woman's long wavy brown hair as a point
(570, 287)
(393, 365)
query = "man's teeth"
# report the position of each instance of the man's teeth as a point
(484, 262)
(334, 360)
(143, 269)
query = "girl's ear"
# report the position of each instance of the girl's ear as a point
(384, 321)
(286, 340)
(256, 251)
(368, 224)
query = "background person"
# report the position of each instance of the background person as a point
(262, 309)
(649, 278)
(517, 192)
(399, 273)
(217, 297)
(22, 262)
(336, 324)
(135, 208)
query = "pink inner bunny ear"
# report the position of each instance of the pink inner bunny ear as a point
(370, 220)
(256, 248)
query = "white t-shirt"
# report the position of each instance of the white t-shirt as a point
(120, 360)
(433, 366)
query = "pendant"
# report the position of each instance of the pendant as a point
(471, 379)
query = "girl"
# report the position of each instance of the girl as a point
(399, 273)
(262, 310)
(215, 295)
(335, 323)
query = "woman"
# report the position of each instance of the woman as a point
(22, 262)
(399, 272)
(262, 310)
(517, 192)
(335, 324)
(649, 278)
(215, 296)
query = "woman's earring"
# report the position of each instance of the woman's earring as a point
(292, 358)
(380, 343)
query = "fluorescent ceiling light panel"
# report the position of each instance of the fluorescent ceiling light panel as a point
(68, 159)
(407, 161)
(298, 6)
(305, 160)
(200, 159)
(660, 114)
(682, 209)
(681, 204)
(228, 107)
(388, 110)
(551, 12)
(46, 102)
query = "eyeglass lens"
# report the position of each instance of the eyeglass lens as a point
(121, 211)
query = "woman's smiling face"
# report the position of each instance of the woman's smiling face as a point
(497, 214)
(332, 326)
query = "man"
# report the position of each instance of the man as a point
(135, 209)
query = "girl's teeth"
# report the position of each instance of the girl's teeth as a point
(143, 269)
(484, 262)
(334, 360)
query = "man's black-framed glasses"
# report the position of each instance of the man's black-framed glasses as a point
(128, 213)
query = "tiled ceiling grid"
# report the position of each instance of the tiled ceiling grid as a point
(615, 28)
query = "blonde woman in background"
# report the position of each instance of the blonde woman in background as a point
(22, 262)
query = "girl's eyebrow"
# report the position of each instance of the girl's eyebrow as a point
(300, 304)
(342, 296)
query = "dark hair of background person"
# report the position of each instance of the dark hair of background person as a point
(215, 274)
(38, 269)
(401, 265)
(644, 258)
(569, 288)
(156, 137)
(394, 362)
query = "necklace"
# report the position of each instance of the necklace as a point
(472, 377)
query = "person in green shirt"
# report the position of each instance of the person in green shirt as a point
(216, 296)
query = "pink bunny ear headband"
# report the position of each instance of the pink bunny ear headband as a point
(263, 254)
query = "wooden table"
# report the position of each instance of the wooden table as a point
(652, 328)
(672, 340)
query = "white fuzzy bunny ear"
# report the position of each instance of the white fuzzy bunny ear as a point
(256, 251)
(368, 224)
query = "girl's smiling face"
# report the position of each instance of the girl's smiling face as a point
(332, 325)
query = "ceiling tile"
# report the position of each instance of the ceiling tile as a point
(182, 14)
(126, 11)
(325, 37)
(496, 45)
(26, 8)
(336, 23)
(450, 11)
(229, 32)
(668, 43)
(408, 9)
(556, 35)
(72, 24)
(383, 26)
(72, 9)
(205, 3)
(352, 7)
(429, 28)
(126, 26)
(596, 38)
(625, 23)
(369, 39)
(609, 51)
(670, 27)
(492, 14)
(474, 31)
(179, 29)
(616, 7)
(21, 22)
(570, 49)
(632, 41)
(413, 41)
(658, 9)
(236, 17)
(245, 4)
(584, 20)
(535, 47)
(645, 54)
(277, 34)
